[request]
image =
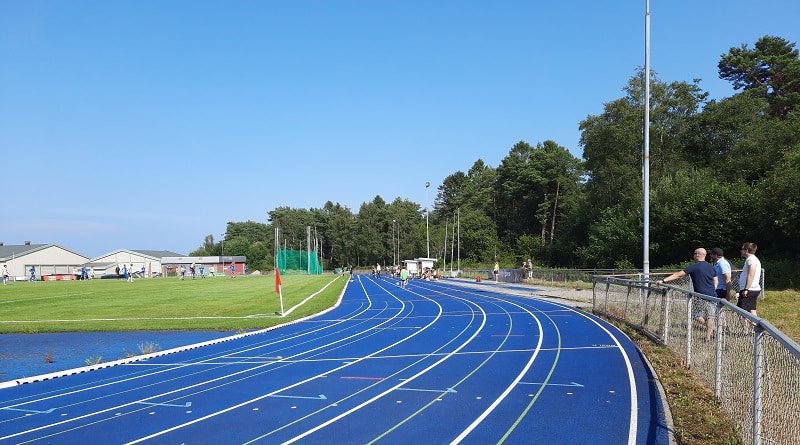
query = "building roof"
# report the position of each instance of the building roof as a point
(154, 254)
(13, 251)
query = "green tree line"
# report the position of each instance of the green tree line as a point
(721, 172)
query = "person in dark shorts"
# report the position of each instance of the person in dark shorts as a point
(704, 281)
(749, 279)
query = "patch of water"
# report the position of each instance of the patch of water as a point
(28, 355)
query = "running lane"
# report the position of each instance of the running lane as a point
(433, 363)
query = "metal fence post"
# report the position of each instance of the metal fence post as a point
(689, 332)
(758, 380)
(717, 351)
(666, 316)
(627, 299)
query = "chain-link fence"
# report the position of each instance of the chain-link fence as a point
(555, 277)
(752, 367)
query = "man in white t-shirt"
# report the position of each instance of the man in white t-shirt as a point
(750, 279)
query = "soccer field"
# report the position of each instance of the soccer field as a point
(221, 303)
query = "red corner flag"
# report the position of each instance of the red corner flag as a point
(278, 287)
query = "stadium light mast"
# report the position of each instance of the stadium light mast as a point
(394, 251)
(223, 252)
(646, 148)
(427, 212)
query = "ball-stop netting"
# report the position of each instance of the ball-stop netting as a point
(299, 261)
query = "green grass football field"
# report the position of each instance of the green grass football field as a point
(221, 303)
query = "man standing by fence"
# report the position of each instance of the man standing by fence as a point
(704, 281)
(723, 270)
(749, 285)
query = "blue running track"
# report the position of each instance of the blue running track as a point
(433, 363)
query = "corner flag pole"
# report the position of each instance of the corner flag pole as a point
(278, 288)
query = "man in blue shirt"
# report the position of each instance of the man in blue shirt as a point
(723, 270)
(704, 281)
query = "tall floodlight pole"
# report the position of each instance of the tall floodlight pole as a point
(444, 251)
(646, 149)
(223, 252)
(452, 245)
(394, 250)
(458, 250)
(427, 212)
(399, 259)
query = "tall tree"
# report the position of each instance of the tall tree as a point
(613, 144)
(694, 208)
(560, 188)
(781, 201)
(339, 243)
(451, 194)
(373, 233)
(771, 69)
(519, 178)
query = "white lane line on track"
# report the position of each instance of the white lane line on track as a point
(553, 384)
(394, 387)
(633, 423)
(634, 395)
(438, 391)
(512, 385)
(175, 405)
(255, 399)
(319, 397)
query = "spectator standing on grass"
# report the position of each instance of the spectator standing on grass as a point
(84, 273)
(202, 271)
(749, 279)
(117, 269)
(33, 274)
(233, 270)
(5, 274)
(704, 281)
(723, 270)
(182, 272)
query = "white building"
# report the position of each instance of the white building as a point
(47, 259)
(134, 260)
(217, 264)
(418, 266)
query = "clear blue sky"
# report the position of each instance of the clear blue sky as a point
(151, 124)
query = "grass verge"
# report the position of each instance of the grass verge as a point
(696, 415)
